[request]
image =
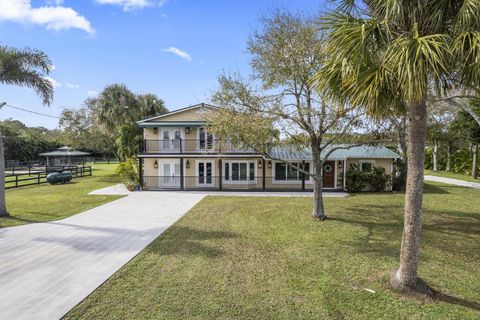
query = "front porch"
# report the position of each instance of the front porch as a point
(234, 174)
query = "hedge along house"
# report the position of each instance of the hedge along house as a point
(179, 153)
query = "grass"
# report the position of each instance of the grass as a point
(46, 202)
(451, 175)
(265, 258)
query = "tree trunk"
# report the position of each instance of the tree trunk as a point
(3, 203)
(474, 161)
(435, 156)
(405, 277)
(449, 158)
(318, 208)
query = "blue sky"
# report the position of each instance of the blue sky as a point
(93, 43)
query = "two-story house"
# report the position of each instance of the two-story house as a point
(179, 153)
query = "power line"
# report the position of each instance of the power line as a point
(34, 112)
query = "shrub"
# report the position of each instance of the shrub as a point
(129, 170)
(399, 178)
(355, 179)
(377, 179)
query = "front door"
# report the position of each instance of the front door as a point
(169, 174)
(205, 173)
(329, 174)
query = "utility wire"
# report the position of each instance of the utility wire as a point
(34, 112)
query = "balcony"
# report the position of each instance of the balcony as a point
(187, 146)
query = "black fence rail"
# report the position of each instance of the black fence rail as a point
(103, 160)
(17, 180)
(238, 183)
(175, 146)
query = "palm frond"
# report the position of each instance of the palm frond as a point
(27, 68)
(468, 15)
(466, 50)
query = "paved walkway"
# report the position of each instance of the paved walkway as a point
(455, 182)
(48, 268)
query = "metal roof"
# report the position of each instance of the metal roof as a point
(344, 152)
(64, 152)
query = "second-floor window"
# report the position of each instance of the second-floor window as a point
(171, 139)
(205, 139)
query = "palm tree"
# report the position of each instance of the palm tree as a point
(150, 105)
(386, 54)
(26, 68)
(117, 105)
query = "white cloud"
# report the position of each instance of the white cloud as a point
(92, 93)
(180, 53)
(54, 82)
(133, 4)
(53, 17)
(71, 85)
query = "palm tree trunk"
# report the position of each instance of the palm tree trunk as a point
(3, 203)
(449, 158)
(405, 277)
(474, 160)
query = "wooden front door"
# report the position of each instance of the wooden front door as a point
(329, 174)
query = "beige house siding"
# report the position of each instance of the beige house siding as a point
(385, 163)
(194, 114)
(148, 169)
(149, 135)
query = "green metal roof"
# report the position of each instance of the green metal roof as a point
(344, 152)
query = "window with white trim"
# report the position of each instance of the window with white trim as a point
(285, 172)
(366, 165)
(239, 171)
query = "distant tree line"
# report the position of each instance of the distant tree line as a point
(103, 125)
(24, 143)
(453, 139)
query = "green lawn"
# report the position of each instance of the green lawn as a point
(265, 258)
(46, 202)
(452, 175)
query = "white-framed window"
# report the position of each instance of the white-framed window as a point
(239, 171)
(205, 172)
(284, 172)
(366, 165)
(205, 138)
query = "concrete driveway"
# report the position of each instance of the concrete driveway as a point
(48, 268)
(455, 182)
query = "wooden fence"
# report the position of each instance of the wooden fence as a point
(103, 160)
(17, 180)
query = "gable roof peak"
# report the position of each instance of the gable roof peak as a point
(195, 106)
